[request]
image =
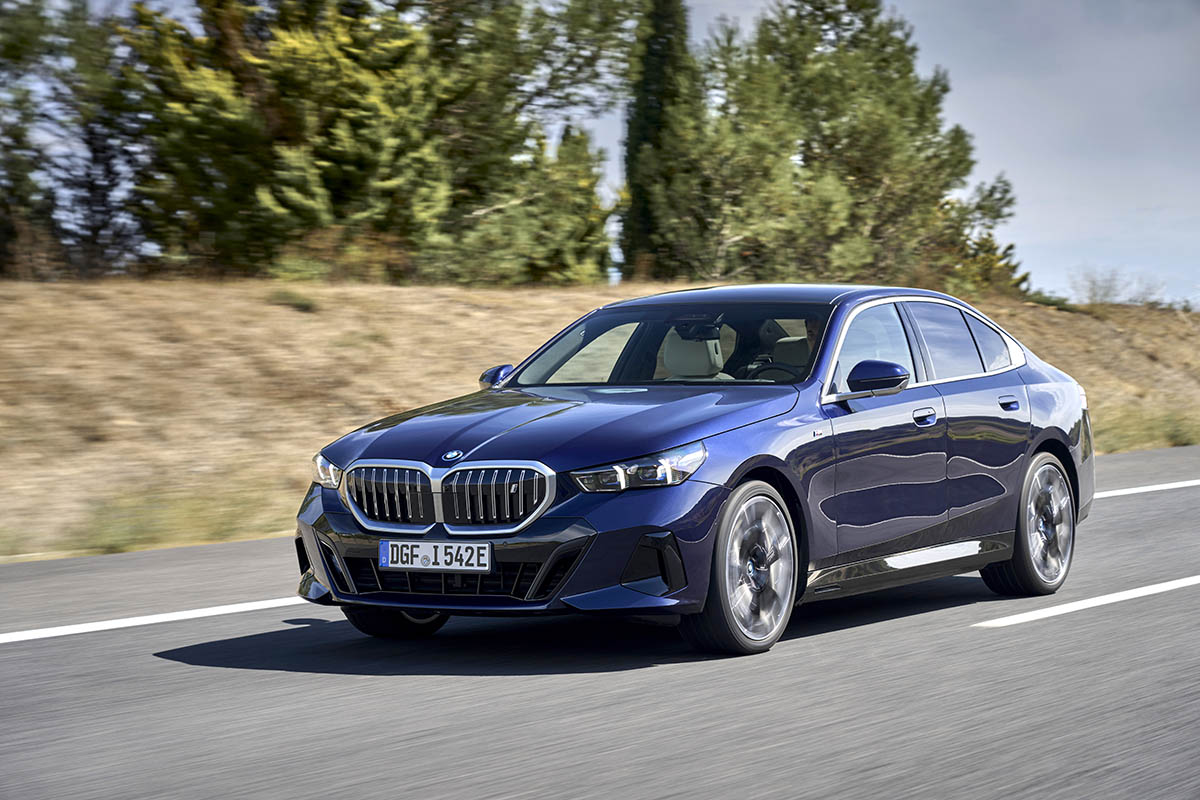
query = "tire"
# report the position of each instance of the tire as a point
(752, 586)
(394, 623)
(1044, 544)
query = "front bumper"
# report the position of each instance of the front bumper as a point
(644, 551)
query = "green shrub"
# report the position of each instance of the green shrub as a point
(296, 267)
(292, 299)
(1180, 432)
(1053, 300)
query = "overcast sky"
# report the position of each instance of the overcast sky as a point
(1092, 109)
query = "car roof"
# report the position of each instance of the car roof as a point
(833, 294)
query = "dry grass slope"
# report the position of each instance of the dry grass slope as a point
(141, 414)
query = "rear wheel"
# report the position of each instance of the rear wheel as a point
(1045, 540)
(752, 588)
(394, 623)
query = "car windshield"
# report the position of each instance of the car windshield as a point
(715, 343)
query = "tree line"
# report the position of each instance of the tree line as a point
(446, 140)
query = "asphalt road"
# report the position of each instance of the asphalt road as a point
(891, 695)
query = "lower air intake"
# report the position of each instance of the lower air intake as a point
(518, 580)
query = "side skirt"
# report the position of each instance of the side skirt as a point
(910, 566)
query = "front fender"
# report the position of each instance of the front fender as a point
(799, 448)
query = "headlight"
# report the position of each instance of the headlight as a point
(667, 468)
(325, 472)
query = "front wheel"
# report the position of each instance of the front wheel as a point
(1045, 538)
(752, 588)
(394, 623)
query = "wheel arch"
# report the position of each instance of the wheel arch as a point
(1060, 450)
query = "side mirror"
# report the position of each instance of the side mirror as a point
(491, 377)
(875, 379)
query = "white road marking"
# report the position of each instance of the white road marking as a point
(1157, 487)
(1080, 605)
(151, 619)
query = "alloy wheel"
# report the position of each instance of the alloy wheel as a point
(1050, 523)
(760, 568)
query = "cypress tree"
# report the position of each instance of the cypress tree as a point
(727, 207)
(660, 83)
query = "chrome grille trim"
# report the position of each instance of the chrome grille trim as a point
(371, 490)
(367, 483)
(476, 492)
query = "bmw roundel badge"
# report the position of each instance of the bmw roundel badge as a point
(452, 455)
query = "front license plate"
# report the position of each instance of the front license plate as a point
(436, 556)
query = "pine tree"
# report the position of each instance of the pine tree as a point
(411, 133)
(973, 261)
(24, 30)
(66, 160)
(877, 159)
(573, 245)
(400, 123)
(549, 228)
(728, 208)
(209, 127)
(476, 47)
(992, 268)
(358, 90)
(88, 88)
(21, 203)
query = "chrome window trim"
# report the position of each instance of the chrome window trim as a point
(437, 475)
(1015, 351)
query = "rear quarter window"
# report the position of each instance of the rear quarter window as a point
(991, 344)
(948, 339)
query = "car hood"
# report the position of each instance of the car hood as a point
(563, 427)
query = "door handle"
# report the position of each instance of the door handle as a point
(1009, 402)
(925, 417)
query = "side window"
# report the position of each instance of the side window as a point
(991, 345)
(877, 334)
(945, 332)
(594, 362)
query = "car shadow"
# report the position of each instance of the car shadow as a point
(828, 616)
(475, 646)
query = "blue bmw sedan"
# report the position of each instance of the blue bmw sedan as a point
(719, 454)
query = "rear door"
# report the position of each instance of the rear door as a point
(890, 492)
(972, 365)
